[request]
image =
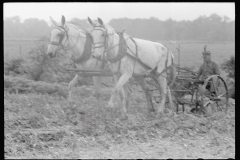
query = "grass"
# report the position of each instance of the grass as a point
(191, 53)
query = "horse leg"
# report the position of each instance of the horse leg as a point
(163, 87)
(124, 91)
(116, 78)
(147, 94)
(121, 82)
(128, 93)
(170, 98)
(71, 84)
(98, 91)
(110, 103)
(124, 94)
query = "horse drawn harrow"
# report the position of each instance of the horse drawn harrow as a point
(208, 96)
(211, 93)
(185, 91)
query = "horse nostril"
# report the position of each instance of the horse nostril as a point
(50, 54)
(93, 56)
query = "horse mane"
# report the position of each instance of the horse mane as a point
(78, 27)
(108, 27)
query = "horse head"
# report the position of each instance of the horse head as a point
(58, 37)
(65, 36)
(101, 36)
(68, 36)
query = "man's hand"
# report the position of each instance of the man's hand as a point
(197, 81)
(194, 74)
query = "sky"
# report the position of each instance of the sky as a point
(107, 11)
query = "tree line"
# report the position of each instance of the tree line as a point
(203, 28)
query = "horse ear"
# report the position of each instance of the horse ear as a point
(53, 22)
(63, 20)
(90, 21)
(100, 21)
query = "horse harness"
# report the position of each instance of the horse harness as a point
(123, 51)
(87, 48)
(86, 52)
(62, 34)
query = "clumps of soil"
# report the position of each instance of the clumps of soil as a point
(21, 85)
(47, 125)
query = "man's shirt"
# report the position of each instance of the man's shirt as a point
(208, 69)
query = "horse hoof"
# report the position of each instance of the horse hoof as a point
(150, 109)
(160, 110)
(96, 95)
(160, 114)
(70, 102)
(170, 113)
(124, 117)
(110, 104)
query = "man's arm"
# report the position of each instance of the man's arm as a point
(199, 73)
(217, 69)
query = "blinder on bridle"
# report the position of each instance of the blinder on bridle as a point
(104, 44)
(61, 35)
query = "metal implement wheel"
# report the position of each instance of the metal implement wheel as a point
(180, 89)
(155, 92)
(215, 95)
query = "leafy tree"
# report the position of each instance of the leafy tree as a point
(36, 28)
(203, 28)
(13, 28)
(229, 67)
(81, 23)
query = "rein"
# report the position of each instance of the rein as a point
(87, 48)
(63, 33)
(117, 44)
(105, 38)
(105, 44)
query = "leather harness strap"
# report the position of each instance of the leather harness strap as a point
(166, 67)
(86, 52)
(122, 52)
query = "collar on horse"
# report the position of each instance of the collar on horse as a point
(121, 52)
(87, 48)
(86, 52)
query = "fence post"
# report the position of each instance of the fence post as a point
(178, 49)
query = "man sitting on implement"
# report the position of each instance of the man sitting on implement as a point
(208, 68)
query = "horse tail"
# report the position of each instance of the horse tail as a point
(172, 73)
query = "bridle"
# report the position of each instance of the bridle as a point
(104, 43)
(64, 33)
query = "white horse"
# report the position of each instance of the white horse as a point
(144, 57)
(70, 37)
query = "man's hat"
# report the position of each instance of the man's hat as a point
(206, 53)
